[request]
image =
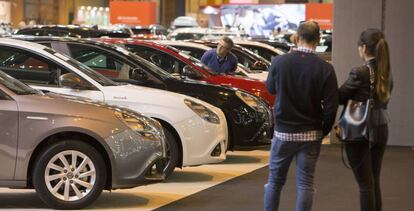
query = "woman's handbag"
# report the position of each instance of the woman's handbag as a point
(354, 122)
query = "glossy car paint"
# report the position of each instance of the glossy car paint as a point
(28, 120)
(198, 137)
(253, 86)
(246, 126)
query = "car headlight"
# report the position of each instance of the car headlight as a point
(251, 101)
(148, 128)
(203, 111)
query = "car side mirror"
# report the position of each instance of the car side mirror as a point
(73, 81)
(189, 72)
(138, 74)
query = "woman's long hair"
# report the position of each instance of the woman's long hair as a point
(377, 46)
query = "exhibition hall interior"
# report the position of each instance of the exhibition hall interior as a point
(206, 105)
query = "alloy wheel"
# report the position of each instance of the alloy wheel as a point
(70, 175)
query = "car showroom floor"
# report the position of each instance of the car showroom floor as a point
(237, 184)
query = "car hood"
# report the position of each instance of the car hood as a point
(253, 86)
(54, 104)
(206, 84)
(148, 96)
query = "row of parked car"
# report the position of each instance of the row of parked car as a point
(83, 115)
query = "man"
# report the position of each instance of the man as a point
(220, 59)
(305, 109)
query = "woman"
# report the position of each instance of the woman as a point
(365, 158)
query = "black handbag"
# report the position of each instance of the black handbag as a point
(354, 123)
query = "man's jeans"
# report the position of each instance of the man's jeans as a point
(281, 155)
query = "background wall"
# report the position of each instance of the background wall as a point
(351, 17)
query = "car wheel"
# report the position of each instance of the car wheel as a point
(172, 153)
(69, 174)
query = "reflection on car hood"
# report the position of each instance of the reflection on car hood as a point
(54, 104)
(148, 96)
(88, 101)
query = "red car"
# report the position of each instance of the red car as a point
(183, 65)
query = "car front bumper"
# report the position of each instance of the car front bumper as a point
(203, 142)
(134, 159)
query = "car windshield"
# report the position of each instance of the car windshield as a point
(141, 30)
(147, 64)
(16, 86)
(152, 67)
(198, 63)
(252, 54)
(102, 80)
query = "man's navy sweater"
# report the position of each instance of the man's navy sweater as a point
(307, 92)
(219, 65)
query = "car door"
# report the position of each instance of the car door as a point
(8, 136)
(42, 73)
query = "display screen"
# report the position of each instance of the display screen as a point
(260, 20)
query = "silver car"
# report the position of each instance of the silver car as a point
(69, 149)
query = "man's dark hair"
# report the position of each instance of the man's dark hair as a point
(228, 41)
(309, 31)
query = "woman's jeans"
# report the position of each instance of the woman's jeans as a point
(281, 155)
(366, 166)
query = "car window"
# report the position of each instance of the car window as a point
(51, 32)
(47, 44)
(97, 77)
(188, 36)
(16, 86)
(243, 59)
(163, 60)
(4, 96)
(105, 62)
(263, 52)
(28, 67)
(97, 59)
(34, 32)
(141, 31)
(194, 52)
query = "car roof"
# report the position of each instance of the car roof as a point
(182, 43)
(22, 44)
(206, 31)
(95, 32)
(255, 43)
(153, 43)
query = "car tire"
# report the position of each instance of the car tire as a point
(172, 153)
(84, 182)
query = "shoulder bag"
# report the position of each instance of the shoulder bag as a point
(353, 125)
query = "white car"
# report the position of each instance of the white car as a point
(196, 131)
(197, 50)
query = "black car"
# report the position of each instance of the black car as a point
(72, 31)
(248, 117)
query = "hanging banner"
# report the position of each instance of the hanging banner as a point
(133, 13)
(321, 13)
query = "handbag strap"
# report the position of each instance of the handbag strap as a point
(371, 82)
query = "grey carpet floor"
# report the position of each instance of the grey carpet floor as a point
(336, 188)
